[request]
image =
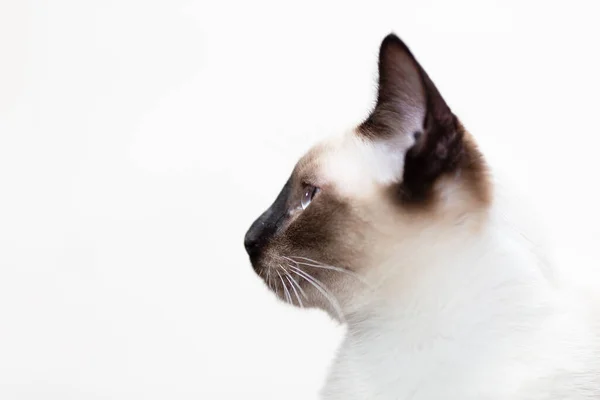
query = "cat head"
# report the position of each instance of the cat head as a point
(408, 178)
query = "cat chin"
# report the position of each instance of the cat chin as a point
(300, 286)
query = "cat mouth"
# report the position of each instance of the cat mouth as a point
(301, 282)
(285, 283)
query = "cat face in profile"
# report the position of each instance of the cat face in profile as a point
(373, 198)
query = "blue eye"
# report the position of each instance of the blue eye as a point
(308, 195)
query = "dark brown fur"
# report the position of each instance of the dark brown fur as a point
(441, 147)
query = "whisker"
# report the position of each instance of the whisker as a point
(316, 264)
(293, 283)
(288, 294)
(288, 298)
(337, 269)
(320, 287)
(306, 259)
(297, 285)
(294, 289)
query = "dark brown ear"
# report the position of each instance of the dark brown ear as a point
(408, 104)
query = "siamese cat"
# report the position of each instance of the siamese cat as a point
(399, 230)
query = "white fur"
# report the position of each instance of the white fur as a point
(468, 312)
(359, 166)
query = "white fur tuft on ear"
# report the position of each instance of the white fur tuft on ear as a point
(401, 96)
(386, 158)
(357, 165)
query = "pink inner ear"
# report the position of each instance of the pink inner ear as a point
(401, 97)
(409, 106)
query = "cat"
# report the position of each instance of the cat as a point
(399, 229)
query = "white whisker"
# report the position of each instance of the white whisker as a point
(305, 259)
(288, 297)
(286, 275)
(297, 285)
(316, 264)
(294, 289)
(320, 287)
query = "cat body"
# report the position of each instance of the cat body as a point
(480, 317)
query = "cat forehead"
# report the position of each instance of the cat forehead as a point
(352, 164)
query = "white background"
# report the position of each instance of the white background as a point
(139, 139)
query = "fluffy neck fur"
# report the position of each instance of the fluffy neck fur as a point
(478, 316)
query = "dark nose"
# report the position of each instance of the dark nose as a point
(253, 241)
(266, 226)
(251, 245)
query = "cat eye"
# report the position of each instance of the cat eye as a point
(307, 197)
